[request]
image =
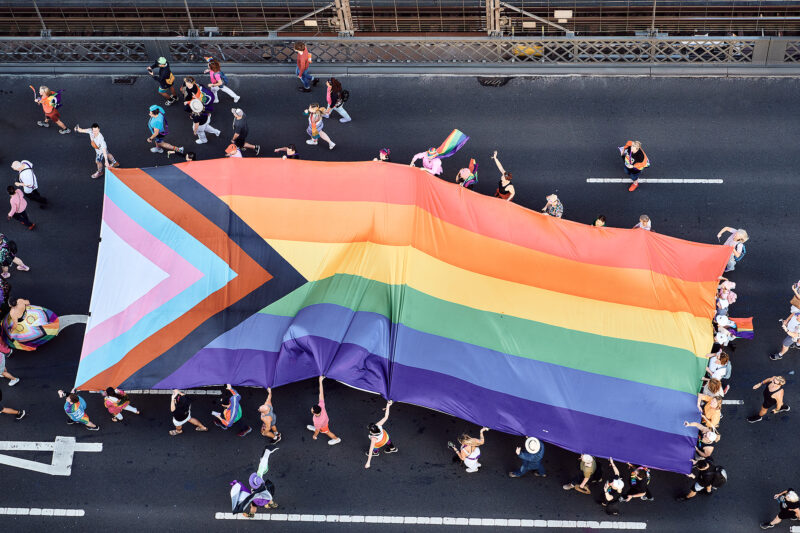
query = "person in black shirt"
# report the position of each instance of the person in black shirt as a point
(291, 152)
(240, 131)
(201, 122)
(707, 477)
(181, 409)
(165, 80)
(789, 508)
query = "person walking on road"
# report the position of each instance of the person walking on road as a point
(303, 70)
(707, 478)
(165, 79)
(553, 207)
(384, 154)
(706, 439)
(589, 472)
(18, 206)
(117, 401)
(201, 122)
(231, 417)
(289, 152)
(336, 97)
(181, 409)
(262, 495)
(639, 484)
(19, 414)
(612, 490)
(735, 240)
(8, 256)
(379, 437)
(4, 371)
(50, 101)
(773, 398)
(240, 131)
(531, 458)
(102, 155)
(269, 420)
(27, 180)
(158, 131)
(320, 420)
(218, 80)
(75, 407)
(791, 326)
(789, 509)
(315, 125)
(469, 450)
(504, 188)
(635, 161)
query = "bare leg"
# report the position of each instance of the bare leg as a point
(61, 125)
(169, 146)
(8, 376)
(20, 265)
(198, 424)
(9, 411)
(331, 435)
(325, 137)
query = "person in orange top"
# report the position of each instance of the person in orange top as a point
(302, 69)
(635, 161)
(47, 99)
(712, 412)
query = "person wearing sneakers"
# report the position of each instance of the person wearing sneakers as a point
(315, 125)
(379, 437)
(4, 372)
(18, 206)
(201, 122)
(49, 101)
(639, 484)
(706, 439)
(28, 181)
(302, 71)
(181, 409)
(269, 420)
(102, 155)
(117, 401)
(336, 97)
(635, 161)
(8, 256)
(231, 417)
(773, 398)
(589, 472)
(75, 407)
(531, 458)
(240, 131)
(19, 414)
(158, 131)
(165, 79)
(469, 450)
(791, 326)
(789, 503)
(218, 80)
(320, 420)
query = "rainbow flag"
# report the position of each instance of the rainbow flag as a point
(452, 144)
(744, 328)
(263, 272)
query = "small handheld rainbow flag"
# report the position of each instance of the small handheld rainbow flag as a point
(452, 144)
(744, 328)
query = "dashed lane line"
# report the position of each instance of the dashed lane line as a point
(200, 392)
(655, 180)
(435, 521)
(733, 402)
(36, 511)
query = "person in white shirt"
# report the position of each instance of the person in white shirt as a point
(27, 180)
(102, 155)
(791, 325)
(644, 223)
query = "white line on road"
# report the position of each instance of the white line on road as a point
(212, 392)
(36, 511)
(436, 521)
(68, 320)
(63, 449)
(733, 402)
(653, 180)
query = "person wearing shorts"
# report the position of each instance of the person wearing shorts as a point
(791, 325)
(181, 409)
(75, 407)
(5, 373)
(19, 414)
(47, 100)
(269, 420)
(379, 437)
(789, 502)
(165, 79)
(102, 155)
(320, 420)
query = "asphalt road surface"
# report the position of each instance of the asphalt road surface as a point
(553, 134)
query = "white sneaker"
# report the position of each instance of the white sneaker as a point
(311, 141)
(236, 99)
(157, 150)
(311, 428)
(218, 132)
(200, 141)
(331, 146)
(471, 470)
(343, 120)
(13, 382)
(335, 441)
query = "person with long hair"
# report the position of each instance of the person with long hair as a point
(469, 450)
(117, 401)
(379, 437)
(49, 100)
(181, 409)
(773, 398)
(505, 189)
(315, 125)
(335, 97)
(736, 241)
(218, 81)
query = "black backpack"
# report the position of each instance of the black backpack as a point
(720, 477)
(345, 95)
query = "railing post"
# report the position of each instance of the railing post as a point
(344, 18)
(776, 51)
(493, 28)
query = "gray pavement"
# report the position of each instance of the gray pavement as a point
(553, 134)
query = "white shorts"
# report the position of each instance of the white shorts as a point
(177, 423)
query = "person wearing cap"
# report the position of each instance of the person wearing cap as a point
(635, 161)
(165, 79)
(706, 439)
(158, 131)
(260, 495)
(383, 155)
(430, 161)
(201, 122)
(612, 490)
(789, 503)
(469, 450)
(589, 472)
(289, 152)
(233, 151)
(791, 326)
(531, 458)
(302, 71)
(379, 437)
(240, 131)
(773, 398)
(553, 207)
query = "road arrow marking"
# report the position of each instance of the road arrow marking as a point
(63, 449)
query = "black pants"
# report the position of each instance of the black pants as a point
(22, 216)
(36, 197)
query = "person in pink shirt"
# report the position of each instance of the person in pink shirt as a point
(18, 206)
(320, 419)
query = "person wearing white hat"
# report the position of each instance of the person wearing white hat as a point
(470, 451)
(531, 458)
(240, 131)
(553, 207)
(789, 510)
(706, 440)
(589, 472)
(612, 490)
(201, 122)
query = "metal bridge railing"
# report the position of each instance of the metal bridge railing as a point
(753, 51)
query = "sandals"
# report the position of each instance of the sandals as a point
(23, 268)
(201, 429)
(175, 432)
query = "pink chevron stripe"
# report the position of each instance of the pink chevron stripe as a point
(181, 275)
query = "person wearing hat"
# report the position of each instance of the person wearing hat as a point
(773, 397)
(165, 79)
(233, 151)
(707, 478)
(158, 131)
(469, 452)
(240, 131)
(383, 155)
(379, 437)
(531, 458)
(612, 490)
(430, 161)
(789, 508)
(259, 495)
(201, 122)
(589, 472)
(553, 207)
(706, 440)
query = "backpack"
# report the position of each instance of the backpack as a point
(223, 77)
(741, 255)
(720, 477)
(344, 96)
(55, 99)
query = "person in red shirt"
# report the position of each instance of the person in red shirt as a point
(302, 69)
(47, 99)
(320, 419)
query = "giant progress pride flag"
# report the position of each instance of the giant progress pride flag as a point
(268, 271)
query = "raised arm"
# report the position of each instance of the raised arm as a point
(497, 162)
(613, 466)
(321, 393)
(481, 440)
(383, 420)
(723, 230)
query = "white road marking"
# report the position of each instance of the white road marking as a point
(733, 402)
(63, 449)
(212, 392)
(68, 320)
(795, 529)
(653, 180)
(37, 511)
(436, 521)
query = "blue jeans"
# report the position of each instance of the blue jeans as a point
(307, 77)
(633, 173)
(527, 466)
